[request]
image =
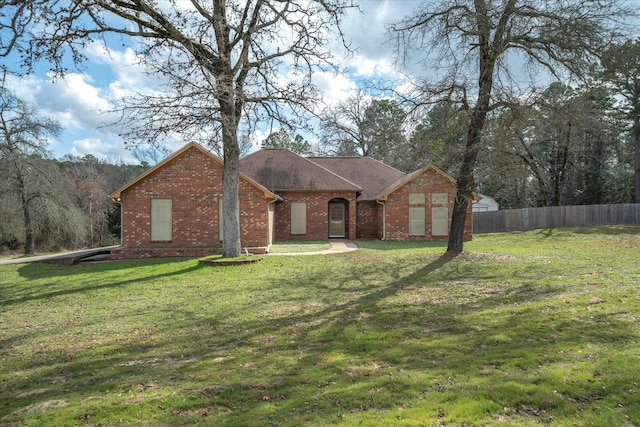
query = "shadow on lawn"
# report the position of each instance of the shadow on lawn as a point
(95, 273)
(339, 359)
(366, 350)
(610, 230)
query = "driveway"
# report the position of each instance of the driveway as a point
(64, 258)
(337, 247)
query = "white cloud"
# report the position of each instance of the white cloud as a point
(258, 136)
(366, 34)
(73, 101)
(367, 67)
(335, 87)
(126, 66)
(112, 151)
(24, 88)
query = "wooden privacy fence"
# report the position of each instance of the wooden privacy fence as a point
(556, 217)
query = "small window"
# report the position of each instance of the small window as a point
(416, 198)
(298, 218)
(440, 221)
(161, 220)
(440, 199)
(416, 221)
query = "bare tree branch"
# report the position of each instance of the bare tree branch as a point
(472, 40)
(225, 62)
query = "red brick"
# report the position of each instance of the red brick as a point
(192, 179)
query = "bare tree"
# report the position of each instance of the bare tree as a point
(467, 48)
(23, 142)
(222, 60)
(16, 17)
(366, 126)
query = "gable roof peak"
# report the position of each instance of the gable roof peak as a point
(410, 177)
(116, 195)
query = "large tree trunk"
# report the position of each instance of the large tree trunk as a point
(230, 183)
(465, 183)
(230, 111)
(230, 208)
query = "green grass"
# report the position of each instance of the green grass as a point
(536, 328)
(299, 246)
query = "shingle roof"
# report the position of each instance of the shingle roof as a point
(371, 175)
(281, 169)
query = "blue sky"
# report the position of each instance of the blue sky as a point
(79, 101)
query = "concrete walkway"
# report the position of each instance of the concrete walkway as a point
(337, 247)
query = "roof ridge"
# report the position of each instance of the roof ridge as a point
(331, 172)
(358, 157)
(310, 164)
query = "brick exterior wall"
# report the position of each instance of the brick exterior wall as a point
(317, 214)
(193, 181)
(397, 207)
(369, 220)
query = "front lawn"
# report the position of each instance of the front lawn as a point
(299, 246)
(533, 328)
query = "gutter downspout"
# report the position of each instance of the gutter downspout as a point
(384, 219)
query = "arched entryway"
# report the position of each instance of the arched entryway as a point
(338, 214)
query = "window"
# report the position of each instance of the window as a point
(416, 221)
(440, 214)
(440, 199)
(416, 198)
(160, 220)
(416, 214)
(298, 218)
(440, 221)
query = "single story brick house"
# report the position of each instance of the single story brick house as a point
(174, 208)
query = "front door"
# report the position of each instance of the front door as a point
(336, 220)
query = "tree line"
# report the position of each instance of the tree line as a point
(231, 64)
(48, 203)
(564, 145)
